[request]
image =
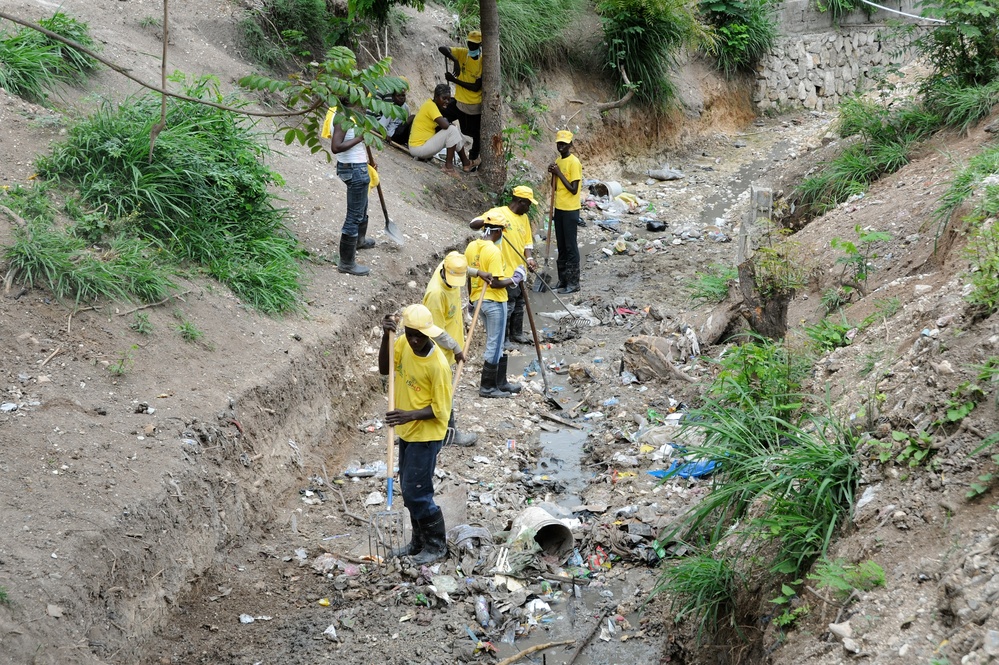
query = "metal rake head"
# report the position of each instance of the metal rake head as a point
(386, 533)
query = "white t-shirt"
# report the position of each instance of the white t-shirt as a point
(356, 155)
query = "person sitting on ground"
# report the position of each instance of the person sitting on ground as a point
(397, 130)
(432, 132)
(517, 247)
(443, 298)
(422, 410)
(567, 173)
(466, 107)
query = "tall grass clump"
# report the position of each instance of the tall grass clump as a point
(31, 63)
(533, 32)
(703, 589)
(886, 135)
(203, 195)
(281, 31)
(646, 39)
(761, 374)
(745, 30)
(710, 286)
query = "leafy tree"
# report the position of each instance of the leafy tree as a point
(965, 49)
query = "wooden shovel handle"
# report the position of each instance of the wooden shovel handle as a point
(551, 222)
(390, 456)
(468, 339)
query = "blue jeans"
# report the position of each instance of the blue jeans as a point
(494, 315)
(417, 460)
(355, 176)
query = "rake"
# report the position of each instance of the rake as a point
(387, 526)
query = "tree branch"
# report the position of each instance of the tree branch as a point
(607, 106)
(125, 72)
(161, 125)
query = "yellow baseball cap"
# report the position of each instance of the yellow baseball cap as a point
(418, 317)
(495, 219)
(455, 269)
(475, 37)
(524, 192)
(563, 136)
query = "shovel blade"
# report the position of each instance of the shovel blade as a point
(541, 282)
(393, 232)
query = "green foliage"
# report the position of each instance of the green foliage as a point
(188, 331)
(835, 298)
(703, 589)
(965, 49)
(974, 177)
(789, 615)
(203, 198)
(839, 8)
(123, 365)
(646, 38)
(779, 270)
(335, 83)
(843, 578)
(745, 30)
(763, 374)
(518, 141)
(141, 324)
(31, 63)
(857, 256)
(4, 598)
(828, 335)
(961, 106)
(123, 268)
(984, 481)
(916, 448)
(983, 252)
(281, 31)
(710, 287)
(534, 32)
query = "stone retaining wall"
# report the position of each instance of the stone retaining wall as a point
(816, 62)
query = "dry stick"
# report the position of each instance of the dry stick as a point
(155, 304)
(346, 511)
(51, 356)
(593, 631)
(468, 340)
(161, 125)
(69, 320)
(529, 650)
(125, 72)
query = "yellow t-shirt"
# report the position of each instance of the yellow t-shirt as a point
(444, 303)
(424, 123)
(485, 255)
(519, 234)
(572, 170)
(421, 381)
(470, 72)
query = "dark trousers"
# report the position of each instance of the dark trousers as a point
(565, 223)
(471, 126)
(514, 310)
(417, 460)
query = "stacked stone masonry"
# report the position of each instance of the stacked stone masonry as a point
(816, 63)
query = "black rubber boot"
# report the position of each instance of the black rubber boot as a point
(516, 328)
(348, 249)
(487, 385)
(456, 437)
(501, 381)
(571, 281)
(560, 267)
(415, 545)
(363, 241)
(434, 540)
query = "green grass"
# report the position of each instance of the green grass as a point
(123, 365)
(188, 331)
(703, 589)
(827, 335)
(843, 578)
(710, 287)
(31, 63)
(141, 324)
(203, 199)
(745, 31)
(4, 598)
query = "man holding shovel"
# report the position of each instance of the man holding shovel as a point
(517, 246)
(422, 410)
(484, 254)
(443, 298)
(568, 173)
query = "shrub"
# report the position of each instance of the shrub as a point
(31, 63)
(762, 374)
(963, 51)
(204, 195)
(703, 588)
(745, 30)
(646, 38)
(281, 31)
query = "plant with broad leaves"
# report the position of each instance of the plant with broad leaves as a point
(336, 83)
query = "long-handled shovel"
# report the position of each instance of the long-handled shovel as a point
(388, 523)
(468, 339)
(541, 284)
(391, 230)
(537, 347)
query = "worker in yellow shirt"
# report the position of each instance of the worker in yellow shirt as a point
(484, 254)
(443, 298)
(431, 132)
(568, 174)
(422, 411)
(466, 106)
(517, 248)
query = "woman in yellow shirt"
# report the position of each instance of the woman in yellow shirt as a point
(431, 132)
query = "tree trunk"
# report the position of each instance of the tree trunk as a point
(766, 314)
(493, 167)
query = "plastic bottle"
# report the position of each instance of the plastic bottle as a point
(482, 611)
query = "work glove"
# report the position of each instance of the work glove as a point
(519, 275)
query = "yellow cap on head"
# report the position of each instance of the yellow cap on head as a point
(524, 192)
(563, 136)
(418, 317)
(495, 220)
(475, 37)
(455, 269)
